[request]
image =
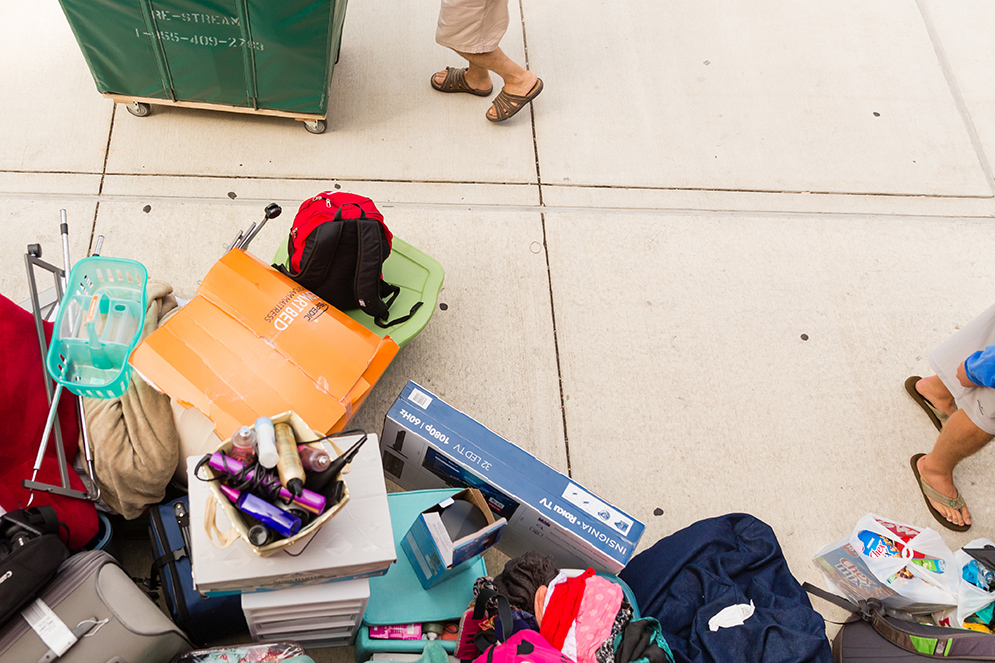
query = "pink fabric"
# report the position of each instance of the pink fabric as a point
(523, 647)
(601, 602)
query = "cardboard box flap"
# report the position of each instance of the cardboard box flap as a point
(253, 343)
(323, 341)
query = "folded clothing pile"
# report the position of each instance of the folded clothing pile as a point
(580, 616)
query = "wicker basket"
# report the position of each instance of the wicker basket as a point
(304, 435)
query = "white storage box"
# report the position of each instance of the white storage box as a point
(326, 615)
(357, 543)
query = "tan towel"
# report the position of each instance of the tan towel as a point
(135, 445)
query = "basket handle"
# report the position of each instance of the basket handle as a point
(224, 539)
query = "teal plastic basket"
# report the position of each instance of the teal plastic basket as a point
(99, 323)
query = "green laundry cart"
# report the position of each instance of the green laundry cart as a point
(246, 56)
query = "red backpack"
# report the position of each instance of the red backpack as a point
(337, 246)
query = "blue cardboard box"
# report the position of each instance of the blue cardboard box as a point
(427, 443)
(449, 535)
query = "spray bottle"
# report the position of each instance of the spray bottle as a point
(289, 461)
(266, 443)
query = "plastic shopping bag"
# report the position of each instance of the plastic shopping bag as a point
(906, 567)
(971, 597)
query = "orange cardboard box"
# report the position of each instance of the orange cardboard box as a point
(253, 343)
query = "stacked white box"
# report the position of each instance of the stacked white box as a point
(326, 615)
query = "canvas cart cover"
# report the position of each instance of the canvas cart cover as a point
(247, 53)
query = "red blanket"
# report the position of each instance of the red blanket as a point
(23, 410)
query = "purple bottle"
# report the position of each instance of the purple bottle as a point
(283, 523)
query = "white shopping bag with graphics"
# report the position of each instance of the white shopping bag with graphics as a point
(914, 562)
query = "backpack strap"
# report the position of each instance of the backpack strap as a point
(934, 642)
(369, 262)
(505, 618)
(829, 596)
(375, 296)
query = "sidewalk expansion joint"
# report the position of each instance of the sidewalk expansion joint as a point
(544, 208)
(556, 345)
(955, 92)
(103, 175)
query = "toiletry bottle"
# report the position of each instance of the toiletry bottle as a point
(314, 459)
(308, 499)
(283, 523)
(243, 445)
(289, 461)
(266, 443)
(259, 535)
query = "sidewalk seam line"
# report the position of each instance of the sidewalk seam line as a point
(956, 93)
(103, 175)
(497, 207)
(532, 112)
(608, 187)
(556, 345)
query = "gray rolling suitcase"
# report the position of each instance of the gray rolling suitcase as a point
(95, 613)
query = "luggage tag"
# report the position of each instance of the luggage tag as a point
(53, 631)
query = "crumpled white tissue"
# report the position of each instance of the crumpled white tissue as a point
(733, 615)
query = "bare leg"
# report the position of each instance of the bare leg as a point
(517, 80)
(934, 391)
(959, 439)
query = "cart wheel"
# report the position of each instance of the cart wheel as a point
(315, 127)
(138, 109)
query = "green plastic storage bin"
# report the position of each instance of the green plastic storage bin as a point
(417, 274)
(99, 323)
(256, 56)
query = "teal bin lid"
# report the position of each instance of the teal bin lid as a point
(398, 597)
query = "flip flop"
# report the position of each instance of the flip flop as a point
(455, 81)
(506, 104)
(930, 410)
(928, 492)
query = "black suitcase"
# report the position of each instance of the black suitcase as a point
(205, 620)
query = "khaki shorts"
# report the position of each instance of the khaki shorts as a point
(977, 402)
(472, 26)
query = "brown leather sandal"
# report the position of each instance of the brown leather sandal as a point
(928, 492)
(455, 81)
(934, 414)
(506, 105)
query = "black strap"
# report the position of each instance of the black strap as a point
(369, 262)
(170, 557)
(505, 616)
(338, 212)
(873, 613)
(384, 324)
(829, 596)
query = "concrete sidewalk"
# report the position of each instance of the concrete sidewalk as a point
(694, 275)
